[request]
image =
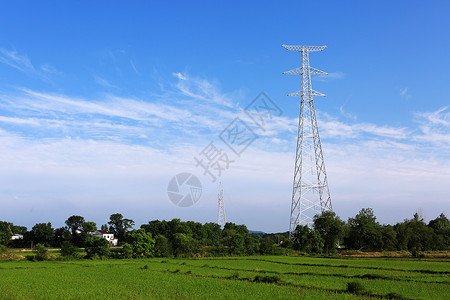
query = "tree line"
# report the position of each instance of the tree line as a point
(157, 238)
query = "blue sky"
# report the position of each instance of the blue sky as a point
(101, 104)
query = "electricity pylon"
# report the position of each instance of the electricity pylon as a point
(310, 192)
(221, 218)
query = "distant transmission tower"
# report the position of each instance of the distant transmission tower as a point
(310, 193)
(221, 218)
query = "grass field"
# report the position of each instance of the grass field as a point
(225, 278)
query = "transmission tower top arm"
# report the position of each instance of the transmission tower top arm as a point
(304, 48)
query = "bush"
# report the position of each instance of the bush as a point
(97, 247)
(394, 296)
(41, 252)
(417, 254)
(69, 250)
(3, 248)
(127, 251)
(355, 287)
(266, 279)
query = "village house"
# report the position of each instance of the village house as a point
(105, 235)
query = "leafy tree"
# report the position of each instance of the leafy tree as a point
(42, 233)
(69, 250)
(308, 240)
(16, 229)
(389, 238)
(266, 246)
(41, 252)
(97, 247)
(415, 235)
(141, 242)
(79, 239)
(233, 241)
(74, 223)
(127, 251)
(213, 233)
(104, 227)
(5, 233)
(365, 231)
(60, 235)
(163, 248)
(176, 226)
(119, 226)
(197, 230)
(251, 245)
(89, 227)
(441, 226)
(330, 227)
(184, 244)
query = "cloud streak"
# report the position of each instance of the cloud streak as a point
(22, 63)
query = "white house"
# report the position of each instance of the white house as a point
(17, 236)
(106, 235)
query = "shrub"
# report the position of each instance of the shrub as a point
(127, 251)
(266, 279)
(394, 296)
(355, 287)
(40, 252)
(97, 247)
(69, 250)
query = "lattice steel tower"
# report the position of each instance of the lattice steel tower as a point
(310, 192)
(221, 218)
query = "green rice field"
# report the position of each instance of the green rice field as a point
(255, 277)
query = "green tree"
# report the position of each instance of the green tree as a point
(213, 233)
(97, 247)
(308, 240)
(89, 227)
(127, 251)
(60, 235)
(42, 233)
(119, 226)
(266, 246)
(17, 229)
(41, 252)
(331, 229)
(236, 239)
(176, 226)
(141, 242)
(184, 244)
(5, 233)
(389, 238)
(69, 250)
(74, 223)
(365, 231)
(415, 235)
(163, 247)
(441, 226)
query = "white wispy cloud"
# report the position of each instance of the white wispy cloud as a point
(331, 76)
(103, 82)
(347, 114)
(333, 127)
(134, 67)
(434, 127)
(201, 89)
(22, 63)
(17, 61)
(404, 93)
